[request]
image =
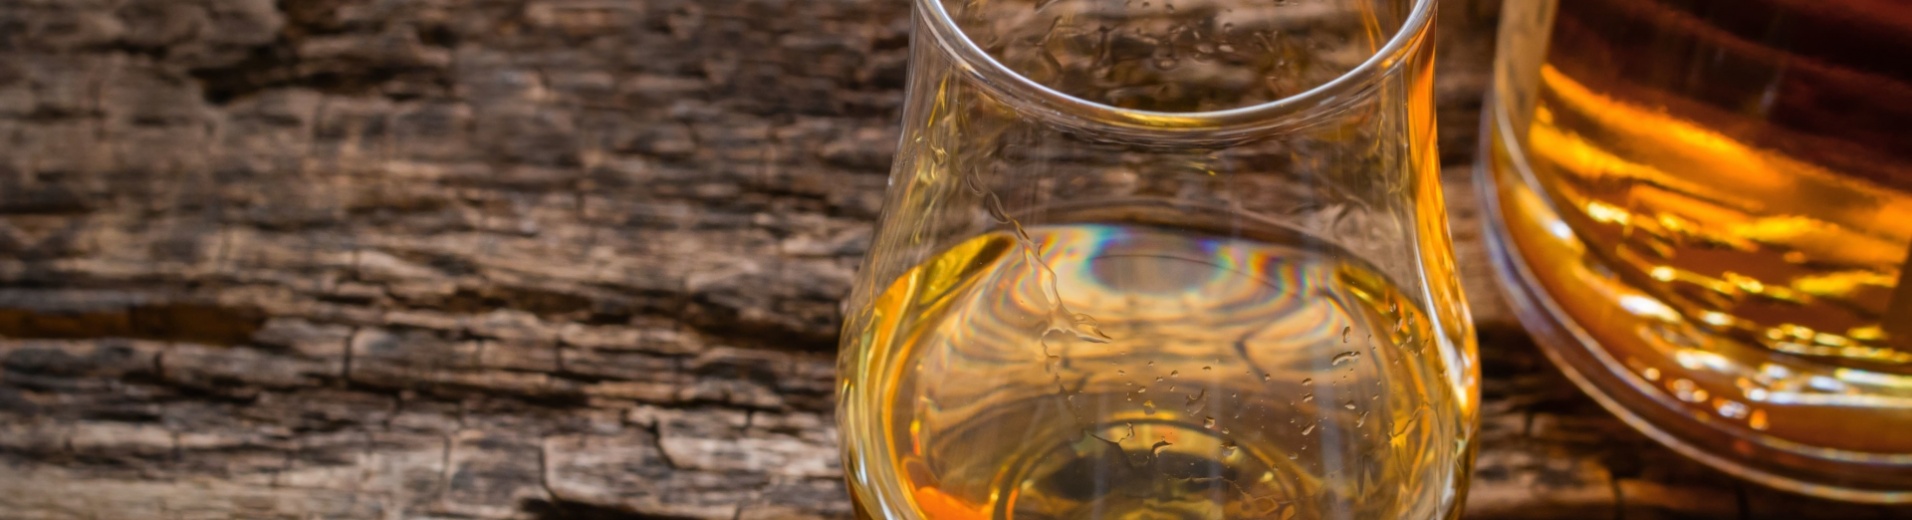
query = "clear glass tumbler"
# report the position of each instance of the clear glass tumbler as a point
(1704, 211)
(1172, 259)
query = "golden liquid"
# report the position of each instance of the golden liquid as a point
(1733, 174)
(1130, 371)
(1720, 194)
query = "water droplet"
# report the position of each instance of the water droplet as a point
(1307, 381)
(1173, 373)
(1731, 409)
(1349, 405)
(1345, 357)
(1687, 390)
(1208, 422)
(1266, 377)
(1309, 429)
(1148, 406)
(1121, 372)
(1358, 422)
(1151, 363)
(1307, 397)
(1344, 333)
(1228, 448)
(1206, 368)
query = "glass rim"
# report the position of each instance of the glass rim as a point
(1018, 90)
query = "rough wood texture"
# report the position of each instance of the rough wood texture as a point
(526, 259)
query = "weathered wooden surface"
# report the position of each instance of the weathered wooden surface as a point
(527, 259)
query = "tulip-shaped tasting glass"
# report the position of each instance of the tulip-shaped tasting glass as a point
(1162, 259)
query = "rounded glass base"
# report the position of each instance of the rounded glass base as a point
(1784, 421)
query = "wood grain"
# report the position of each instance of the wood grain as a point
(528, 259)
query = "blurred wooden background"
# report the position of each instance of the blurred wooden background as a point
(534, 259)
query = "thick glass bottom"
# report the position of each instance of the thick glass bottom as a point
(1784, 421)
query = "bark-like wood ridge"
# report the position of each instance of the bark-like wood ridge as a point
(526, 259)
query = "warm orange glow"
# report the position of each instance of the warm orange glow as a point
(937, 505)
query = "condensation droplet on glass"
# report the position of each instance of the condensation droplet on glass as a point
(1360, 421)
(1731, 409)
(1196, 398)
(1206, 368)
(1686, 390)
(1344, 333)
(1173, 373)
(1148, 406)
(1307, 397)
(1208, 422)
(1349, 405)
(1309, 381)
(1345, 357)
(1309, 430)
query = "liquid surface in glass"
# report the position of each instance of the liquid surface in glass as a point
(1738, 161)
(1199, 376)
(1731, 181)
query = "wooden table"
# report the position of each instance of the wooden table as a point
(530, 259)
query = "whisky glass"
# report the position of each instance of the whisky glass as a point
(1703, 209)
(1170, 259)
